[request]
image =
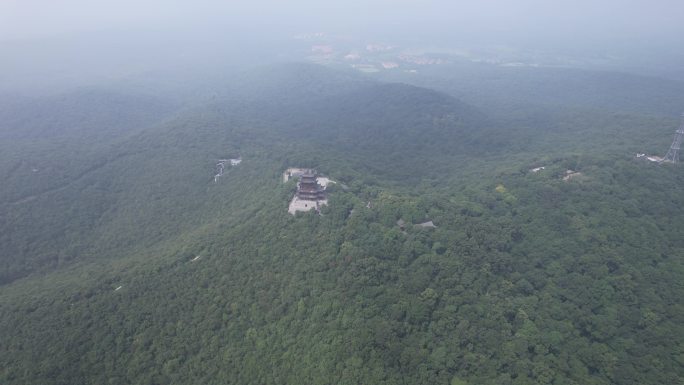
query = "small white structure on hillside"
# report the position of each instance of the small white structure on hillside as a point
(650, 158)
(221, 166)
(293, 172)
(570, 174)
(427, 225)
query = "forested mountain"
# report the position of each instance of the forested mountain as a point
(505, 89)
(92, 112)
(125, 262)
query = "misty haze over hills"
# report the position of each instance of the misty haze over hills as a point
(78, 42)
(496, 209)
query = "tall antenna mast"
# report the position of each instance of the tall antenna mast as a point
(672, 155)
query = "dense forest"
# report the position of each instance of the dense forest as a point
(122, 260)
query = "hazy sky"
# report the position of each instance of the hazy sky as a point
(615, 19)
(112, 39)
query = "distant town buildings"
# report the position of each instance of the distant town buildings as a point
(368, 68)
(352, 56)
(420, 60)
(378, 48)
(310, 36)
(323, 49)
(369, 57)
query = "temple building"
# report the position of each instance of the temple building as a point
(308, 187)
(311, 194)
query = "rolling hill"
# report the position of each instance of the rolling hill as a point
(133, 266)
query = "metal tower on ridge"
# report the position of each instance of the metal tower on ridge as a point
(672, 155)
